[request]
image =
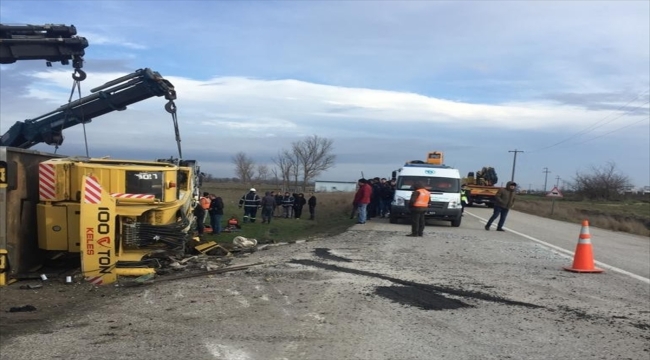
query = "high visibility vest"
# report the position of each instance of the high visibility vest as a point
(463, 195)
(205, 203)
(423, 198)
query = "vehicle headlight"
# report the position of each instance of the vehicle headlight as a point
(454, 205)
(399, 201)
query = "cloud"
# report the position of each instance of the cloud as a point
(371, 128)
(100, 39)
(258, 106)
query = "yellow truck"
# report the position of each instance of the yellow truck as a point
(114, 213)
(481, 187)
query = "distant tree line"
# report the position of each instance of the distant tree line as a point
(295, 167)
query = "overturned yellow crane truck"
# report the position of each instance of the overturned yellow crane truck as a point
(115, 213)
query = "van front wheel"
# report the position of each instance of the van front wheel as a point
(456, 222)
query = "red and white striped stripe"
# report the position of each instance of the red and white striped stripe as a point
(46, 185)
(93, 191)
(132, 196)
(97, 280)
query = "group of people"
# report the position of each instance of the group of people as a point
(372, 199)
(276, 204)
(210, 209)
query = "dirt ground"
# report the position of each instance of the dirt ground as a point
(52, 302)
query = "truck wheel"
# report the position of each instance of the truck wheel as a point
(393, 219)
(456, 222)
(490, 205)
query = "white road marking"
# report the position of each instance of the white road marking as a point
(147, 298)
(226, 352)
(568, 254)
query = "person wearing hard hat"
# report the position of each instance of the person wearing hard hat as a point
(251, 202)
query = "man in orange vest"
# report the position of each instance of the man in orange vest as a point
(418, 205)
(200, 211)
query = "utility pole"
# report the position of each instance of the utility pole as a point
(546, 172)
(514, 162)
(557, 184)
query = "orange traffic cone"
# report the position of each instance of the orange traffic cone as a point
(583, 259)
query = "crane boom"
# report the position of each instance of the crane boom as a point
(115, 95)
(53, 43)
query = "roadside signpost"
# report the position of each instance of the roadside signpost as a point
(553, 194)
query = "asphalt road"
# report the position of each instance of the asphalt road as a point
(613, 251)
(373, 293)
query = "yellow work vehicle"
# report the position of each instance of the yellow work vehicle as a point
(482, 186)
(115, 213)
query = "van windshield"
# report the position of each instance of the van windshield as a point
(433, 184)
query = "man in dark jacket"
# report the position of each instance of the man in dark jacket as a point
(199, 212)
(250, 202)
(278, 204)
(312, 206)
(216, 213)
(268, 205)
(287, 205)
(503, 202)
(298, 203)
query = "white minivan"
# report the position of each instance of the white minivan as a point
(442, 181)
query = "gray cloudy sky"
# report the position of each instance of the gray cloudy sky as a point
(567, 82)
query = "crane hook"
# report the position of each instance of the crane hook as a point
(170, 107)
(79, 75)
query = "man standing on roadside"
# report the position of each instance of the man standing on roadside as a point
(268, 204)
(503, 202)
(464, 193)
(418, 205)
(361, 200)
(312, 206)
(250, 202)
(216, 213)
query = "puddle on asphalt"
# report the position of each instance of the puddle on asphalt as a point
(415, 292)
(326, 254)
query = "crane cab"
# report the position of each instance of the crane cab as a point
(435, 158)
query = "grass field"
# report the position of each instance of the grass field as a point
(332, 216)
(333, 212)
(631, 216)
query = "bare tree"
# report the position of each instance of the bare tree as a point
(284, 163)
(313, 155)
(244, 167)
(602, 183)
(276, 178)
(262, 172)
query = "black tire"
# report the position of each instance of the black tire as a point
(393, 219)
(456, 222)
(490, 205)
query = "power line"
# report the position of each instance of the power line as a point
(615, 130)
(596, 125)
